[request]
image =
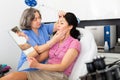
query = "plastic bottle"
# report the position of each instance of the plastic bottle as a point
(106, 47)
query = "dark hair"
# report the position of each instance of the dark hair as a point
(72, 20)
(27, 17)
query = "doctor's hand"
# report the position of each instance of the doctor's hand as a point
(56, 38)
(61, 13)
(60, 34)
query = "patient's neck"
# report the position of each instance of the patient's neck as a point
(64, 37)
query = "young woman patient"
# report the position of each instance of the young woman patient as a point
(62, 55)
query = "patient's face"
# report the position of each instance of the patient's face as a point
(63, 25)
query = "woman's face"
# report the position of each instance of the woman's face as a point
(36, 21)
(63, 25)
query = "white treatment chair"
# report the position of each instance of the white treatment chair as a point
(88, 52)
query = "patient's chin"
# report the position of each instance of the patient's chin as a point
(62, 38)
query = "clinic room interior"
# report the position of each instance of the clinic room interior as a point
(98, 23)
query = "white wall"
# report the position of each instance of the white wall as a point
(11, 10)
(86, 9)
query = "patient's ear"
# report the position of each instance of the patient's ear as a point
(70, 27)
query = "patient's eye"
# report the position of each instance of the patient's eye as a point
(61, 23)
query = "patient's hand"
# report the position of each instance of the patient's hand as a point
(33, 63)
